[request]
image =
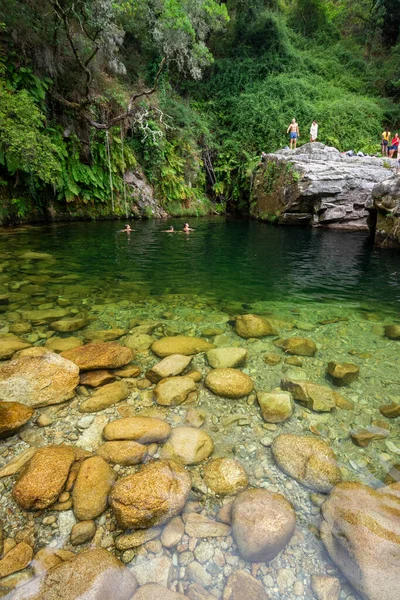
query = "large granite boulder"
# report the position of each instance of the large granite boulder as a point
(386, 210)
(317, 185)
(102, 355)
(361, 530)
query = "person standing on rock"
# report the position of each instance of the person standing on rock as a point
(394, 147)
(314, 131)
(294, 133)
(385, 141)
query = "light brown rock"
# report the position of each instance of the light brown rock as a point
(122, 452)
(363, 437)
(92, 575)
(224, 358)
(92, 487)
(342, 373)
(128, 371)
(315, 397)
(154, 591)
(195, 375)
(103, 355)
(195, 417)
(253, 326)
(58, 344)
(392, 332)
(45, 315)
(199, 526)
(105, 396)
(298, 346)
(44, 478)
(20, 327)
(38, 380)
(361, 531)
(188, 446)
(10, 344)
(96, 378)
(173, 532)
(16, 463)
(262, 524)
(229, 383)
(308, 460)
(225, 476)
(13, 415)
(16, 559)
(390, 411)
(174, 391)
(136, 538)
(82, 532)
(180, 344)
(151, 496)
(242, 586)
(107, 335)
(144, 430)
(325, 587)
(276, 407)
(69, 324)
(170, 366)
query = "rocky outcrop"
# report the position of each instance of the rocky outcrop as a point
(386, 212)
(317, 185)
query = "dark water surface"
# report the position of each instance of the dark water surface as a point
(224, 258)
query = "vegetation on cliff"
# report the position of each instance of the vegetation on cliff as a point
(186, 92)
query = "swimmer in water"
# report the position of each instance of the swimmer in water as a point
(170, 230)
(187, 228)
(127, 229)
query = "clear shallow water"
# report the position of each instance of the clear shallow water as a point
(331, 287)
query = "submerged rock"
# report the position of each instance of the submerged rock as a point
(13, 415)
(48, 314)
(392, 332)
(225, 476)
(360, 529)
(96, 378)
(325, 587)
(104, 355)
(109, 335)
(170, 366)
(38, 380)
(230, 383)
(277, 406)
(199, 526)
(188, 446)
(390, 411)
(91, 489)
(363, 437)
(316, 397)
(262, 524)
(242, 586)
(308, 460)
(144, 430)
(44, 478)
(223, 358)
(105, 396)
(180, 344)
(175, 390)
(58, 344)
(92, 575)
(151, 496)
(10, 344)
(16, 559)
(342, 373)
(122, 452)
(298, 346)
(82, 532)
(70, 324)
(154, 591)
(253, 326)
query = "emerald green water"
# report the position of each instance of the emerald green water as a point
(334, 288)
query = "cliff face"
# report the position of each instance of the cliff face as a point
(317, 185)
(386, 206)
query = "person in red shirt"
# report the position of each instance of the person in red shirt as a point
(394, 146)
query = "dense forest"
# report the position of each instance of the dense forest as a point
(187, 93)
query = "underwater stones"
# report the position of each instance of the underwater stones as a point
(38, 380)
(48, 314)
(298, 346)
(175, 390)
(16, 559)
(325, 587)
(16, 463)
(276, 406)
(138, 341)
(253, 326)
(105, 396)
(229, 383)
(308, 460)
(363, 437)
(180, 344)
(360, 529)
(154, 591)
(173, 532)
(342, 373)
(20, 327)
(225, 476)
(151, 496)
(13, 415)
(390, 411)
(392, 332)
(188, 446)
(58, 344)
(223, 358)
(122, 452)
(31, 255)
(126, 541)
(393, 475)
(241, 586)
(262, 524)
(272, 359)
(170, 366)
(10, 344)
(82, 532)
(316, 397)
(145, 430)
(91, 489)
(107, 335)
(102, 355)
(69, 324)
(44, 478)
(199, 526)
(94, 575)
(96, 378)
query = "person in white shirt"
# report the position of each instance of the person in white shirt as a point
(314, 131)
